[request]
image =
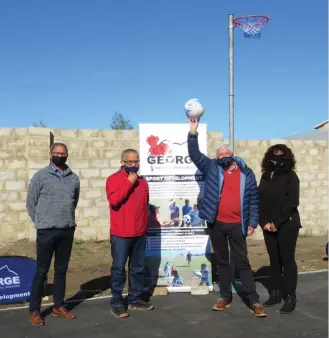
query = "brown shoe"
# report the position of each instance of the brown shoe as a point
(221, 304)
(258, 310)
(35, 319)
(62, 313)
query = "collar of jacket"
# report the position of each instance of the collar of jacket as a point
(67, 171)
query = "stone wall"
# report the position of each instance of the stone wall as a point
(95, 154)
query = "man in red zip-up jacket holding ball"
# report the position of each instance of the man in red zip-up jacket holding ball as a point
(128, 196)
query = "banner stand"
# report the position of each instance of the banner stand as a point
(172, 289)
(178, 250)
(186, 289)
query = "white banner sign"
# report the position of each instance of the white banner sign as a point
(178, 248)
(165, 162)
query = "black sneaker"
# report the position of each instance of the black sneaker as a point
(119, 312)
(140, 306)
(289, 305)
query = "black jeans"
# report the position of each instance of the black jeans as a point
(50, 241)
(281, 247)
(222, 234)
(122, 249)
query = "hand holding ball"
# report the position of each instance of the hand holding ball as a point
(194, 109)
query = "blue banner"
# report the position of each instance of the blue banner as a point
(16, 276)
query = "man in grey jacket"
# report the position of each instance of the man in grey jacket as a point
(52, 198)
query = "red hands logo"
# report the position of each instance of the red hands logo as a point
(156, 148)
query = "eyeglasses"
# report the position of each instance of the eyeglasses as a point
(59, 154)
(130, 163)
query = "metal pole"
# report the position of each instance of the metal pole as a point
(231, 79)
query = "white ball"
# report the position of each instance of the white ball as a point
(194, 108)
(187, 219)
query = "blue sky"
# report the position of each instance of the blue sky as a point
(74, 63)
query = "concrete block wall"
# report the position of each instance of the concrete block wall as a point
(95, 154)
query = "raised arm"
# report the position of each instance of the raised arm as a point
(201, 161)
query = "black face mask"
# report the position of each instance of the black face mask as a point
(225, 162)
(58, 161)
(129, 170)
(277, 160)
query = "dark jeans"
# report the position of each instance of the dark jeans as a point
(222, 235)
(281, 247)
(50, 241)
(122, 249)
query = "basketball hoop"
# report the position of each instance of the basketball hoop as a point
(251, 24)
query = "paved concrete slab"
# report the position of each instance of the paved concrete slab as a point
(186, 316)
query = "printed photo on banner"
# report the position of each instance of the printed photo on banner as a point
(178, 256)
(174, 212)
(178, 246)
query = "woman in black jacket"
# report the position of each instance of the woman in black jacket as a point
(279, 219)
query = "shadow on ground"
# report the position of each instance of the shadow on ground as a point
(261, 276)
(87, 290)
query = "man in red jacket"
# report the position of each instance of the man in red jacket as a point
(128, 196)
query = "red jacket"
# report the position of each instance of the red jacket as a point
(128, 205)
